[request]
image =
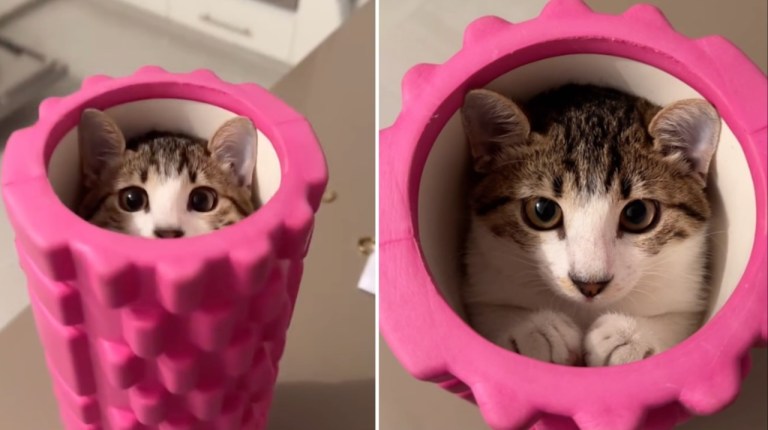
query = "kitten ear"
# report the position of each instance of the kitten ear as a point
(687, 132)
(101, 144)
(234, 146)
(494, 126)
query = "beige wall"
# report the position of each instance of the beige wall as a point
(743, 23)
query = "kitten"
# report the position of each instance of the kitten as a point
(165, 185)
(588, 222)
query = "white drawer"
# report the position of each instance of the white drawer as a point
(252, 24)
(159, 7)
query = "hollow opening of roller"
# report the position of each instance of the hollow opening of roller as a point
(196, 119)
(442, 203)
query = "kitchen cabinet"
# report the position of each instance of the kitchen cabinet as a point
(286, 30)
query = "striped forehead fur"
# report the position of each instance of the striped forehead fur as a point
(167, 154)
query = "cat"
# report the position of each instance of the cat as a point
(165, 185)
(587, 237)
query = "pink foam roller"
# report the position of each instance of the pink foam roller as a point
(423, 157)
(163, 334)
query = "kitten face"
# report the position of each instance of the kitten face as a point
(593, 187)
(165, 185)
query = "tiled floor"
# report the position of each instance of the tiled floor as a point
(104, 37)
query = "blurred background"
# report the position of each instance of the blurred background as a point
(316, 55)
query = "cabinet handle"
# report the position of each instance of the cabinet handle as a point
(208, 19)
(365, 245)
(330, 196)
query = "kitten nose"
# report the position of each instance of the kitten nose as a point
(168, 233)
(590, 288)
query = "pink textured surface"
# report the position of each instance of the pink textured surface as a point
(163, 334)
(699, 376)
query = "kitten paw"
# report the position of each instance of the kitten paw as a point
(548, 336)
(616, 339)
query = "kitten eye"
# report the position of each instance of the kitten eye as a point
(133, 199)
(202, 199)
(638, 216)
(542, 214)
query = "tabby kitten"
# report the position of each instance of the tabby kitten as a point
(165, 185)
(588, 222)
